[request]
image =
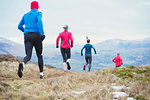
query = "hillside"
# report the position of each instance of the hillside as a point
(133, 52)
(60, 85)
(10, 47)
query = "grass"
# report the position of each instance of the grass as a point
(134, 73)
(138, 78)
(59, 85)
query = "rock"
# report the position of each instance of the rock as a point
(119, 94)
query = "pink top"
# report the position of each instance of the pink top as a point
(65, 39)
(117, 60)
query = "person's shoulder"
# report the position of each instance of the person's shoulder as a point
(60, 33)
(27, 13)
(69, 32)
(87, 44)
(39, 13)
(90, 44)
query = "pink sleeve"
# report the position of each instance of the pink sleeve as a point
(121, 60)
(114, 60)
(71, 39)
(57, 40)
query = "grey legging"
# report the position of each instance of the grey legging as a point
(88, 59)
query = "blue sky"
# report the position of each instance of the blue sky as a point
(99, 19)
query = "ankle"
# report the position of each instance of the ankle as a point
(41, 73)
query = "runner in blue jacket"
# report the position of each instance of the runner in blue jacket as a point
(33, 36)
(88, 54)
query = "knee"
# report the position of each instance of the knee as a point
(64, 60)
(28, 57)
(39, 56)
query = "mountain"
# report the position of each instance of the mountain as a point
(115, 44)
(135, 52)
(10, 47)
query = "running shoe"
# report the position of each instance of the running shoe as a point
(65, 70)
(42, 76)
(84, 67)
(20, 70)
(68, 66)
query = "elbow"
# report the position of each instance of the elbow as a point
(19, 27)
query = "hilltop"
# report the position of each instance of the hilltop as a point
(60, 85)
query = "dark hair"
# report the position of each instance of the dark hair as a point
(118, 53)
(88, 40)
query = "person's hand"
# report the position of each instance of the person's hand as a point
(121, 63)
(71, 46)
(57, 46)
(81, 54)
(42, 37)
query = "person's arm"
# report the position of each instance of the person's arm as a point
(40, 23)
(82, 50)
(121, 61)
(57, 40)
(94, 49)
(71, 39)
(20, 25)
(114, 60)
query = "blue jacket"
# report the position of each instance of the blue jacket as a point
(32, 21)
(88, 49)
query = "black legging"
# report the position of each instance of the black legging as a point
(65, 54)
(88, 59)
(33, 40)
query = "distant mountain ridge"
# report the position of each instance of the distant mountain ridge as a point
(123, 44)
(10, 47)
(135, 52)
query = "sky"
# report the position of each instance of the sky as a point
(98, 19)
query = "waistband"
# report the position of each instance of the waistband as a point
(31, 33)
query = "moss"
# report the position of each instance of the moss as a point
(124, 74)
(132, 67)
(133, 73)
(143, 79)
(141, 71)
(140, 97)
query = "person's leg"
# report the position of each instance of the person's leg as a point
(39, 48)
(68, 52)
(28, 50)
(28, 47)
(90, 61)
(86, 59)
(64, 57)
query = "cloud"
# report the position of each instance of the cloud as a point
(97, 18)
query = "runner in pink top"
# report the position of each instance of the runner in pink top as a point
(66, 43)
(66, 39)
(118, 60)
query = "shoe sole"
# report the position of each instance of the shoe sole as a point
(20, 69)
(42, 77)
